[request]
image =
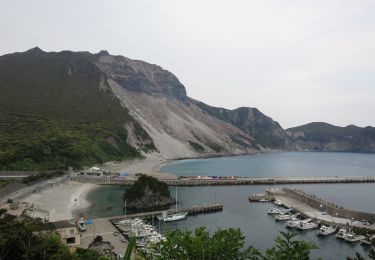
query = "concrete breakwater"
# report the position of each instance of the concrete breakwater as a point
(314, 207)
(193, 181)
(328, 207)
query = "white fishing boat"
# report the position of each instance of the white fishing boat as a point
(172, 216)
(283, 216)
(295, 223)
(278, 202)
(327, 230)
(342, 233)
(351, 237)
(274, 211)
(311, 224)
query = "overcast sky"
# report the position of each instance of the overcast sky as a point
(297, 61)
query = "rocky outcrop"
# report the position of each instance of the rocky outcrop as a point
(147, 193)
(150, 200)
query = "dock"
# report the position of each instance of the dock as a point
(316, 208)
(193, 210)
(223, 180)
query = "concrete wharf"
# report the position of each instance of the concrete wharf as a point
(191, 181)
(317, 208)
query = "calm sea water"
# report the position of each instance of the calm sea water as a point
(278, 164)
(259, 228)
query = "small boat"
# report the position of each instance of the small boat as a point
(278, 202)
(342, 233)
(306, 225)
(351, 237)
(274, 211)
(169, 216)
(295, 223)
(81, 223)
(327, 230)
(283, 216)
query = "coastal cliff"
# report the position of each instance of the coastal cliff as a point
(61, 109)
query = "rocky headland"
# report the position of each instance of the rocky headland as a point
(147, 194)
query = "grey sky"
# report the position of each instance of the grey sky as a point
(297, 61)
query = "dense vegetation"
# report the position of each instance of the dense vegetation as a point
(21, 238)
(56, 111)
(227, 244)
(137, 190)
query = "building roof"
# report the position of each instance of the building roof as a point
(63, 224)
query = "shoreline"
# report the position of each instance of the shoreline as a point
(61, 202)
(152, 164)
(69, 200)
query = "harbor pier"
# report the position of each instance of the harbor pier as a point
(317, 208)
(193, 210)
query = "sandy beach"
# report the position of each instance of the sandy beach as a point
(61, 201)
(150, 165)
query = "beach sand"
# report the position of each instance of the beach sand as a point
(150, 165)
(61, 201)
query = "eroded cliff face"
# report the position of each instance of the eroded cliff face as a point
(178, 126)
(141, 77)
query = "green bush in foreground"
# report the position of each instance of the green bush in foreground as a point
(227, 244)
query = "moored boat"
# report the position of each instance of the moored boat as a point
(327, 230)
(278, 202)
(306, 225)
(342, 233)
(172, 216)
(351, 237)
(283, 216)
(274, 211)
(168, 217)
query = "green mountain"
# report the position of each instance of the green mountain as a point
(56, 110)
(320, 136)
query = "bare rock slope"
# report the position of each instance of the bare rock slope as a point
(178, 125)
